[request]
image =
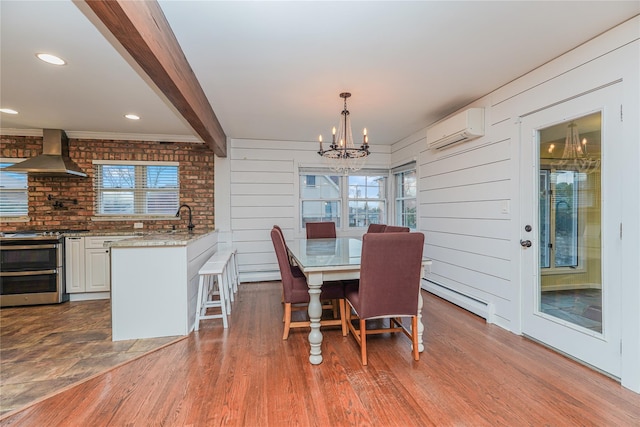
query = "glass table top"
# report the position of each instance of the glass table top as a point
(342, 251)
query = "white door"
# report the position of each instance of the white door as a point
(570, 227)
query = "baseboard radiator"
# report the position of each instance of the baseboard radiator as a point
(470, 303)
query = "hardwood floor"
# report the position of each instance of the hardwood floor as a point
(470, 374)
(47, 348)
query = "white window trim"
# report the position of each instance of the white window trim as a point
(134, 162)
(344, 195)
(580, 268)
(23, 218)
(104, 217)
(412, 165)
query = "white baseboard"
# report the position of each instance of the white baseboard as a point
(476, 306)
(89, 296)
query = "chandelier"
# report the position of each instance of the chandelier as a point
(575, 155)
(342, 155)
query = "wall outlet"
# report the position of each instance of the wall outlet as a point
(138, 225)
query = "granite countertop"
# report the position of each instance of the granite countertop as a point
(98, 233)
(160, 238)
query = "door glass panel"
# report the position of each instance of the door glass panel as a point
(570, 267)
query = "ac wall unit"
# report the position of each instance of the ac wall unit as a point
(461, 127)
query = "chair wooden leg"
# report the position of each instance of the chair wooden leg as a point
(343, 315)
(287, 320)
(363, 341)
(414, 337)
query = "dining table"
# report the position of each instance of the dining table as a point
(323, 260)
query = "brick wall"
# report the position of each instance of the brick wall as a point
(196, 183)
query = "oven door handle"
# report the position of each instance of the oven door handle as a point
(23, 247)
(26, 273)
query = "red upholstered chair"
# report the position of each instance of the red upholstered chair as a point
(321, 230)
(295, 269)
(388, 288)
(376, 228)
(396, 229)
(296, 292)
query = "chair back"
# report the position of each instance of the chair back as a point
(390, 274)
(321, 230)
(283, 263)
(396, 229)
(376, 228)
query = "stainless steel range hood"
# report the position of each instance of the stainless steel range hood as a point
(54, 159)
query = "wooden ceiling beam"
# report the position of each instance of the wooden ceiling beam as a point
(142, 29)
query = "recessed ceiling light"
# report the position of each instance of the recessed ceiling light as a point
(8, 111)
(51, 59)
(132, 117)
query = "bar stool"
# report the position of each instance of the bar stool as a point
(213, 282)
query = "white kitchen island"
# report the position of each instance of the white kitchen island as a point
(154, 283)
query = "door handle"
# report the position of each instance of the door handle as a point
(525, 243)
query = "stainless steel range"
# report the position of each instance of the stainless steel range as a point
(32, 268)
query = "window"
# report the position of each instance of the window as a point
(326, 197)
(559, 240)
(366, 200)
(406, 202)
(136, 188)
(322, 200)
(14, 191)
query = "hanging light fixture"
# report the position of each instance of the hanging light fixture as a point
(575, 155)
(342, 155)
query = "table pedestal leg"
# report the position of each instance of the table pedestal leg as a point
(315, 313)
(420, 325)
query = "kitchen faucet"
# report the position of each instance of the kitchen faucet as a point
(190, 226)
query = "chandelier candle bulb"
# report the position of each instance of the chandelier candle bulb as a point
(320, 140)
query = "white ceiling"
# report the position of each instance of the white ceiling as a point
(274, 70)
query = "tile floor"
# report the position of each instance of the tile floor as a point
(582, 307)
(44, 349)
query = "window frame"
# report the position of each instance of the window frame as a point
(550, 209)
(343, 200)
(384, 200)
(21, 217)
(398, 214)
(139, 190)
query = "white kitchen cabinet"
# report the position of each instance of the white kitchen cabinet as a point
(97, 270)
(74, 265)
(89, 264)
